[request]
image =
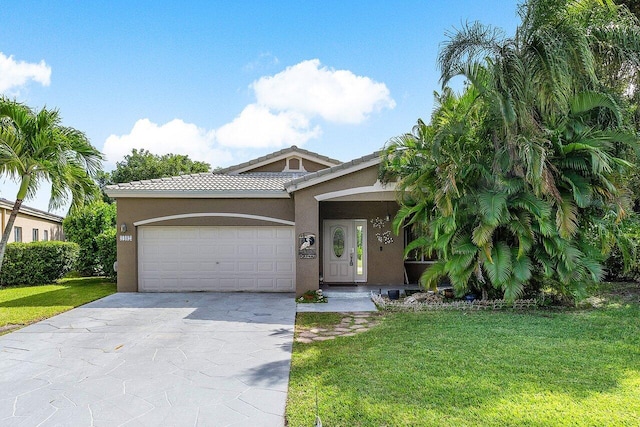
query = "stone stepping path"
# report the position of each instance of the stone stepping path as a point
(350, 325)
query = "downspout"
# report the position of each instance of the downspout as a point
(2, 223)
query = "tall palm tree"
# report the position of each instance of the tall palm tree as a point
(504, 182)
(560, 49)
(35, 148)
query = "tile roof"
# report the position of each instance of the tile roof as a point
(24, 209)
(221, 183)
(210, 183)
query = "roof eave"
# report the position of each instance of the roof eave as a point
(26, 210)
(330, 174)
(159, 194)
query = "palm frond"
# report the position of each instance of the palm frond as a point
(499, 270)
(567, 218)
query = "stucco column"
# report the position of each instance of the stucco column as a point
(307, 221)
(127, 253)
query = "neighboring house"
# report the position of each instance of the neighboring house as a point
(31, 225)
(280, 223)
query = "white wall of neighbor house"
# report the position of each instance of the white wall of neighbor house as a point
(46, 229)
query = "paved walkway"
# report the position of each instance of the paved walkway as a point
(351, 324)
(179, 359)
(341, 301)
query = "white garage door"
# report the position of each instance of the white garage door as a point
(174, 259)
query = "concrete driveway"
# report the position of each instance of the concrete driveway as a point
(182, 359)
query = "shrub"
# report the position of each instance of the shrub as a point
(107, 251)
(83, 227)
(615, 263)
(37, 263)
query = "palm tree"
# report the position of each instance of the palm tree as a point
(36, 148)
(508, 177)
(562, 48)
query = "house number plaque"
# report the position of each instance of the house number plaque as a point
(307, 245)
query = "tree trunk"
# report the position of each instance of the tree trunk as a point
(7, 230)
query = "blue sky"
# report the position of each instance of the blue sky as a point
(228, 81)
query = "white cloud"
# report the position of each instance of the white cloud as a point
(175, 137)
(286, 104)
(14, 74)
(257, 126)
(335, 95)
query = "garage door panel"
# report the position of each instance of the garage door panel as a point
(265, 250)
(265, 267)
(216, 259)
(246, 267)
(207, 233)
(284, 250)
(266, 233)
(284, 284)
(246, 250)
(266, 284)
(228, 284)
(227, 250)
(284, 233)
(284, 267)
(226, 232)
(227, 267)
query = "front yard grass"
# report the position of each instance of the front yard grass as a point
(23, 305)
(534, 368)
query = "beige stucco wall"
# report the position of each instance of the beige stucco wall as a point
(384, 261)
(28, 223)
(384, 267)
(279, 166)
(134, 210)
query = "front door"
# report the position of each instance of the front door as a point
(345, 250)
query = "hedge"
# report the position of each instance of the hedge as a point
(107, 251)
(83, 227)
(37, 263)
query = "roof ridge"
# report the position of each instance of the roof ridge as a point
(293, 148)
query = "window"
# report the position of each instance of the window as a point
(416, 256)
(17, 234)
(45, 235)
(34, 235)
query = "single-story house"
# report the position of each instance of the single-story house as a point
(284, 222)
(31, 225)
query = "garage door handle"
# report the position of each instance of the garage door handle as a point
(351, 260)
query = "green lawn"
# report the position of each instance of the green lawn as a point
(537, 368)
(22, 305)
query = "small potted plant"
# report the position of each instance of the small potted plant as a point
(312, 297)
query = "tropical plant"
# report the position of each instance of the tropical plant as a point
(84, 226)
(36, 148)
(504, 182)
(108, 251)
